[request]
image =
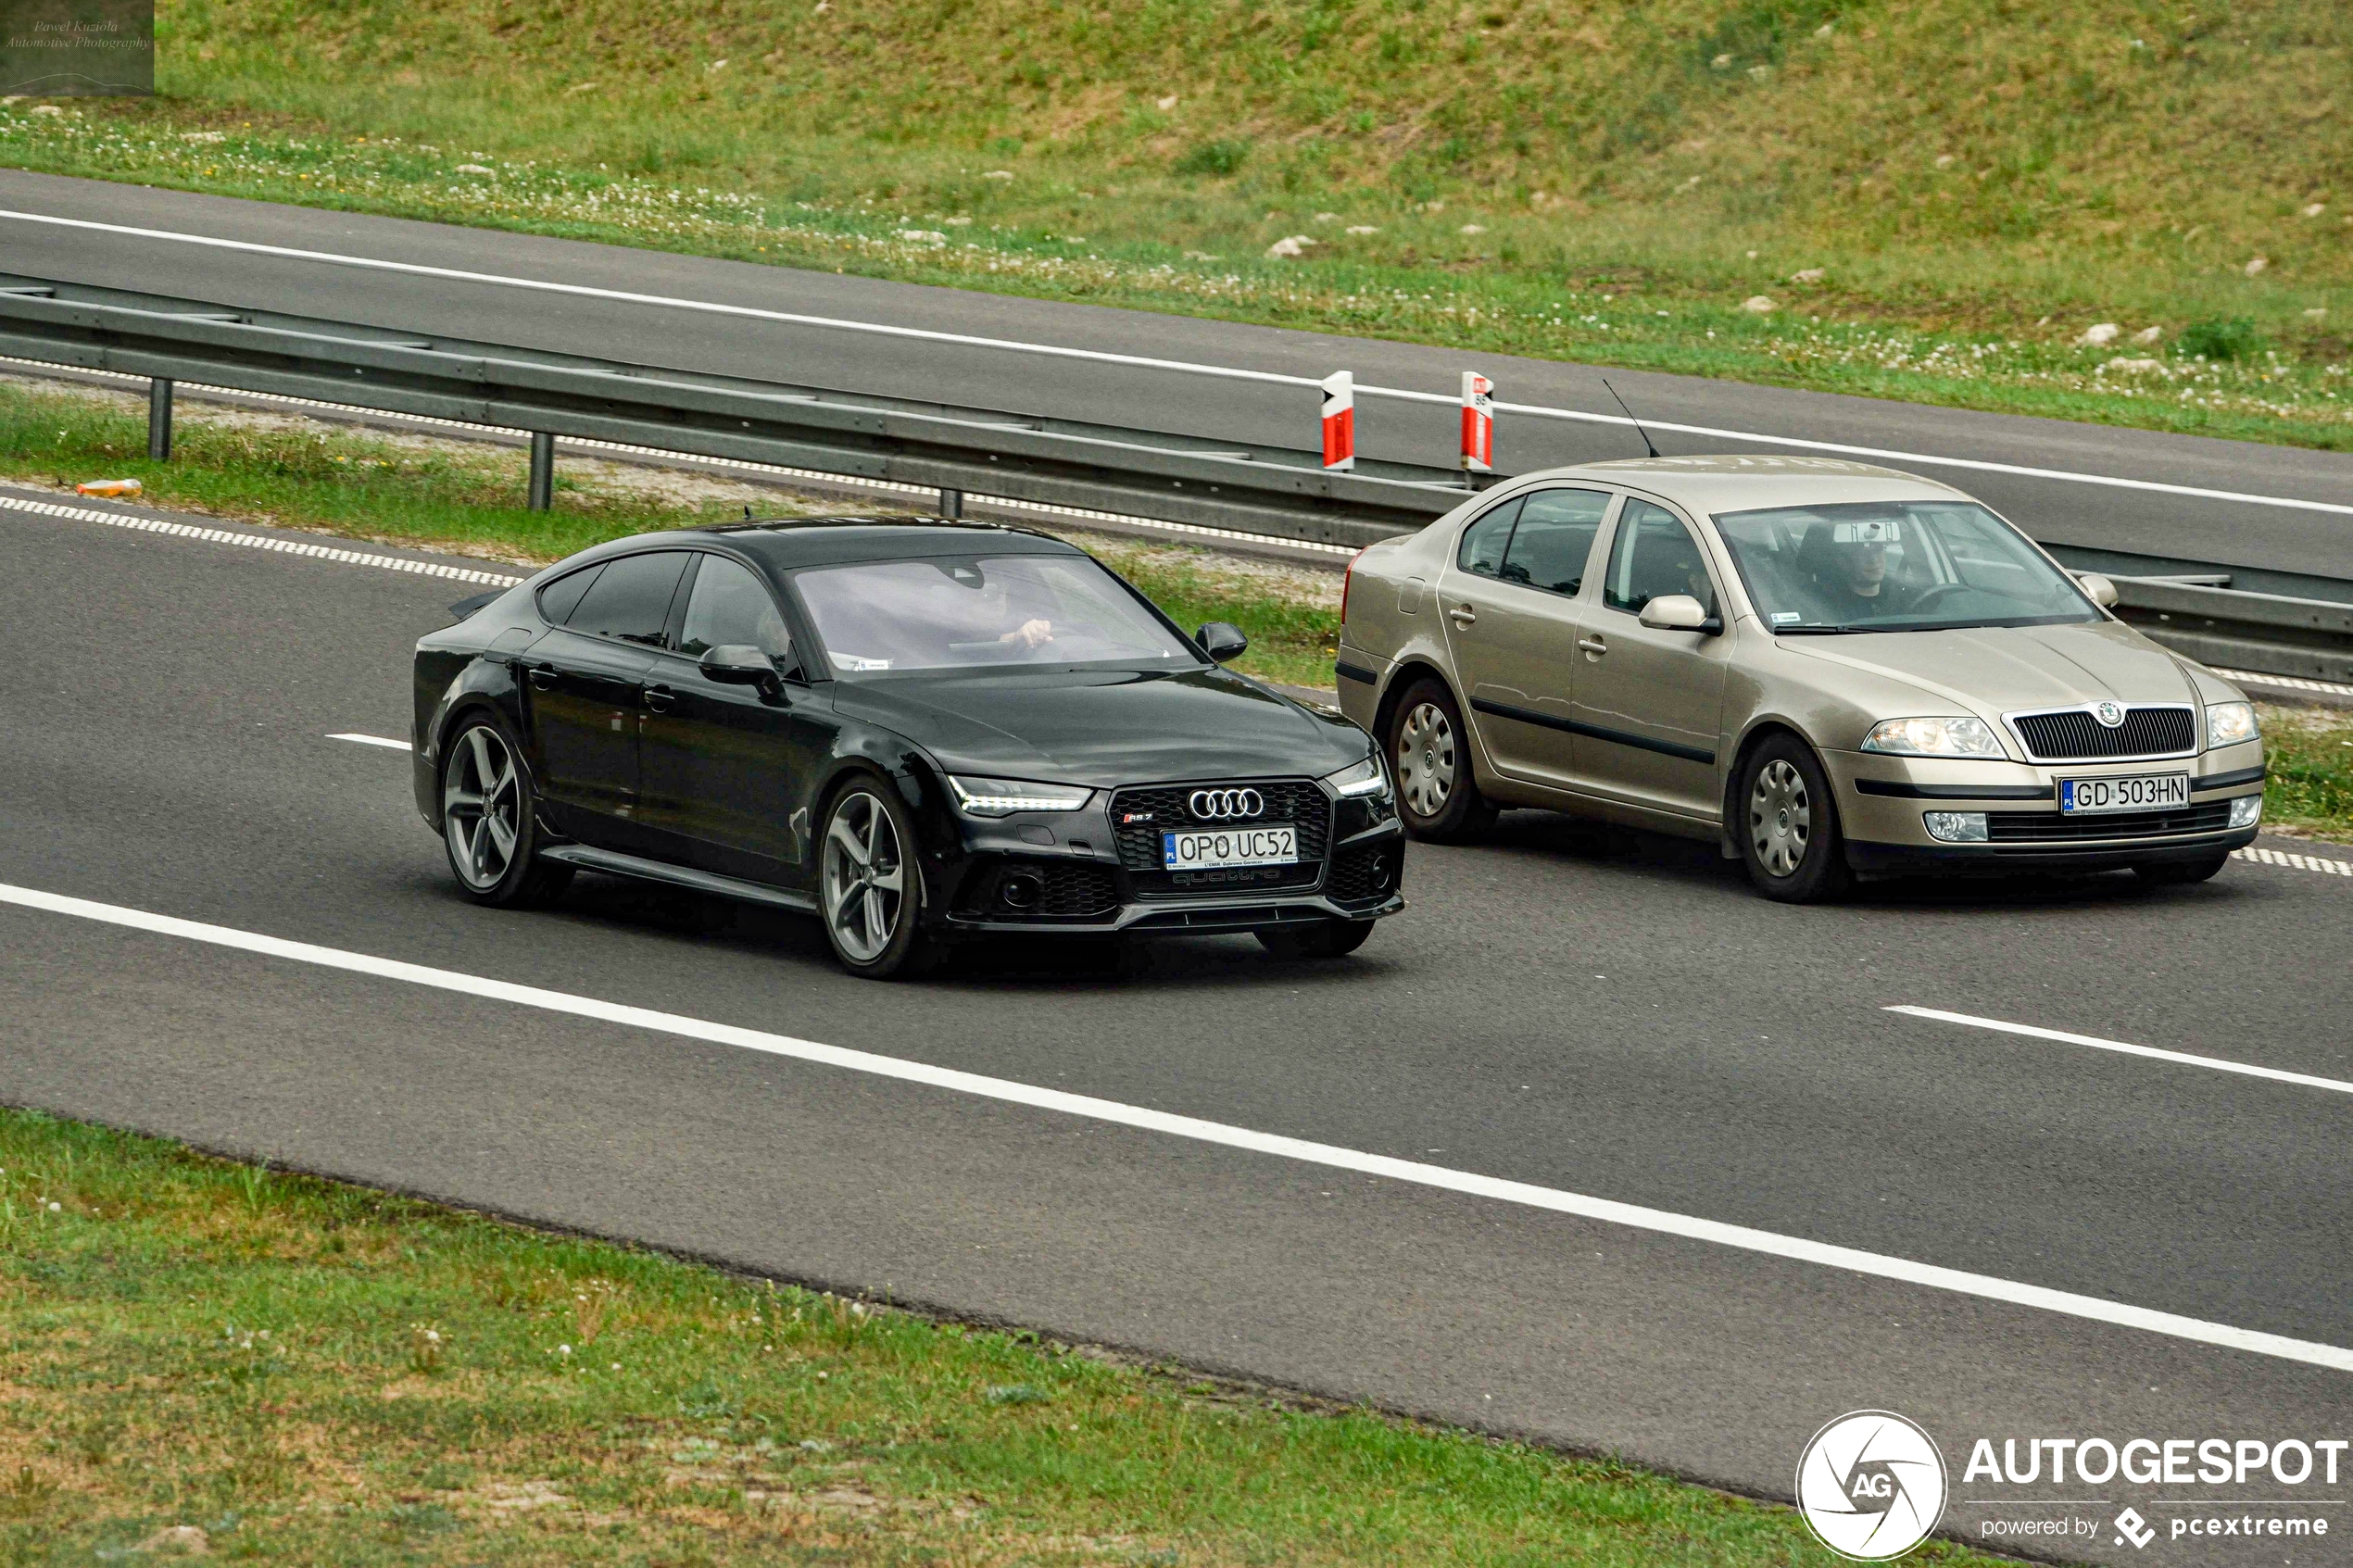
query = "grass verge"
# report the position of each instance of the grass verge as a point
(309, 1373)
(283, 471)
(2309, 792)
(1900, 202)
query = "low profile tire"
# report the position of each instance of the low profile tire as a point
(1787, 820)
(2180, 873)
(1429, 749)
(870, 887)
(490, 819)
(1327, 939)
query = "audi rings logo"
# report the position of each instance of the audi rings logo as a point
(1871, 1486)
(1225, 804)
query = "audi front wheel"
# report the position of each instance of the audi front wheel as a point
(869, 884)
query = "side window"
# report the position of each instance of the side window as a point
(631, 597)
(1554, 537)
(1484, 541)
(730, 604)
(1653, 556)
(560, 598)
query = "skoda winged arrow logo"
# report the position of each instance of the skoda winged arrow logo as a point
(2109, 713)
(1225, 804)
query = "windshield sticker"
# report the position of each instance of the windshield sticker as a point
(1783, 617)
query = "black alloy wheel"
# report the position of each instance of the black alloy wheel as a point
(1429, 752)
(1787, 821)
(490, 820)
(870, 886)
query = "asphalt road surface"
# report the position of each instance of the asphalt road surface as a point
(1588, 1010)
(2134, 522)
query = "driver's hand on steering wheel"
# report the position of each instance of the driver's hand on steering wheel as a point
(1030, 633)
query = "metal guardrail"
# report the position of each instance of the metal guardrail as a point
(1280, 493)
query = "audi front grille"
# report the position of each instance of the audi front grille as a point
(1141, 813)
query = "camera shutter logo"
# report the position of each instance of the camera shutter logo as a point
(1225, 804)
(2110, 714)
(1871, 1486)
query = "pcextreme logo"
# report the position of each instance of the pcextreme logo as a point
(1871, 1486)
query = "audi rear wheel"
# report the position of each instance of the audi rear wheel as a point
(490, 820)
(1430, 750)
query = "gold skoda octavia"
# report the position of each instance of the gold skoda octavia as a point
(1830, 669)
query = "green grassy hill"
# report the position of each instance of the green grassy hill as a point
(1938, 197)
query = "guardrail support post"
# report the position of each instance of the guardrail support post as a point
(951, 502)
(159, 419)
(543, 471)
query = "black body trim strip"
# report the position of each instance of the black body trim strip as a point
(1619, 737)
(614, 863)
(2230, 780)
(1356, 672)
(1952, 792)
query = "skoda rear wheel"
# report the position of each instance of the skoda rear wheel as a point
(490, 819)
(1430, 750)
(1788, 824)
(869, 884)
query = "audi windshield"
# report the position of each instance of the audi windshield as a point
(1895, 566)
(982, 613)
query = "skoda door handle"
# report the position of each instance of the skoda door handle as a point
(1463, 615)
(659, 699)
(543, 676)
(1594, 648)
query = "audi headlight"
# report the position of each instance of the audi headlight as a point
(2227, 724)
(1961, 736)
(1003, 797)
(1366, 780)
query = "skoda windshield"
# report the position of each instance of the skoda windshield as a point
(1895, 566)
(983, 612)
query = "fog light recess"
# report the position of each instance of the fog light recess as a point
(2247, 811)
(1955, 827)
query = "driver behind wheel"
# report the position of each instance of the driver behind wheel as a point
(1848, 564)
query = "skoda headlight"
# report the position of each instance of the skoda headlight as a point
(2228, 723)
(1960, 737)
(1366, 780)
(1003, 797)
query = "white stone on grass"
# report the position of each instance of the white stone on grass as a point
(1759, 305)
(2099, 335)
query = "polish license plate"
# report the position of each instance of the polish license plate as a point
(1270, 845)
(2144, 792)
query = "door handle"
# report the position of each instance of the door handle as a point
(659, 699)
(1463, 615)
(1593, 646)
(543, 676)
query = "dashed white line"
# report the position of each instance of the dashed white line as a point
(2216, 1063)
(1139, 361)
(257, 542)
(1527, 1195)
(2291, 683)
(2293, 861)
(374, 740)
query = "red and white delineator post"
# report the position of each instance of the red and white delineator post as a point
(1478, 423)
(1340, 422)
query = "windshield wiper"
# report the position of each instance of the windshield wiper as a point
(1819, 631)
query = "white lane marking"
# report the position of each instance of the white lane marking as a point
(2292, 683)
(374, 740)
(255, 542)
(1148, 362)
(583, 444)
(2321, 863)
(2219, 1064)
(1607, 1211)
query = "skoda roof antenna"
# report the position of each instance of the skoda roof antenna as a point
(1648, 449)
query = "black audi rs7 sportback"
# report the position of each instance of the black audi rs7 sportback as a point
(917, 730)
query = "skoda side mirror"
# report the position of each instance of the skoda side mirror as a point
(2098, 589)
(1221, 642)
(1674, 612)
(741, 664)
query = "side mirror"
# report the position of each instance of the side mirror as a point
(2102, 591)
(1674, 612)
(1221, 642)
(738, 664)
